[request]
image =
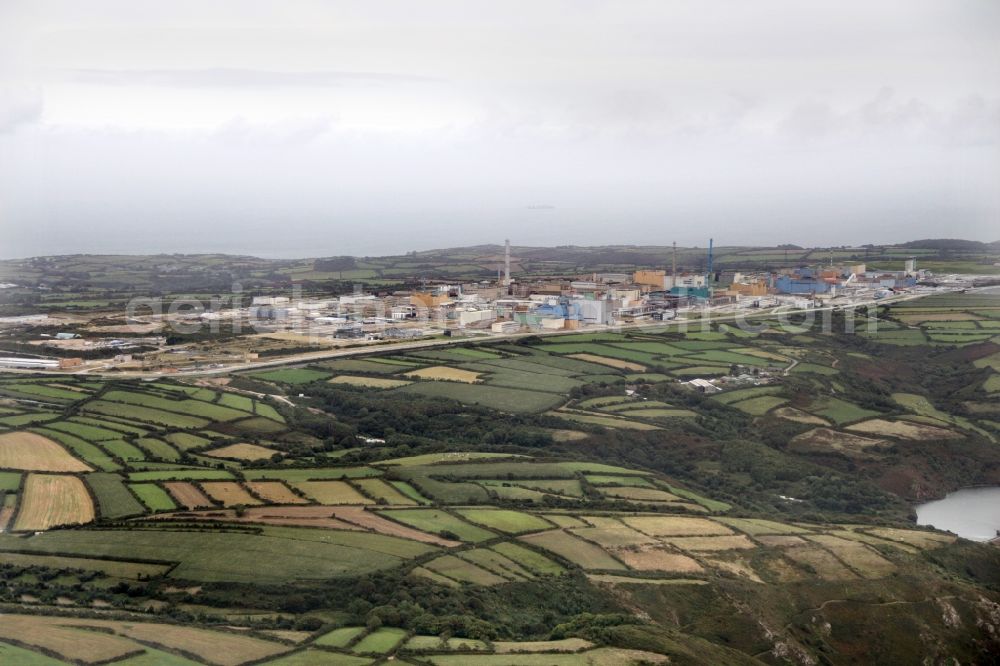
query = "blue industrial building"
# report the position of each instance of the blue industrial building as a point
(788, 284)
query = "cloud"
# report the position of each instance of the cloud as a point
(219, 77)
(887, 117)
(19, 107)
(239, 130)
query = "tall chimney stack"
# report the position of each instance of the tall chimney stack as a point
(506, 263)
(673, 268)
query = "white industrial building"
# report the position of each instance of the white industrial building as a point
(28, 363)
(470, 316)
(505, 327)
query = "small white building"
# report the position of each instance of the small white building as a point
(703, 385)
(466, 317)
(270, 300)
(505, 327)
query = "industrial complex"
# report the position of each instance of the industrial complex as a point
(272, 324)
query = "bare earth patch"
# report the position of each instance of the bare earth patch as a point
(825, 440)
(856, 555)
(610, 362)
(274, 492)
(657, 558)
(735, 565)
(913, 537)
(797, 415)
(369, 520)
(32, 452)
(242, 452)
(568, 435)
(441, 372)
(187, 495)
(368, 382)
(303, 516)
(712, 543)
(781, 541)
(903, 429)
(676, 526)
(821, 561)
(229, 493)
(51, 500)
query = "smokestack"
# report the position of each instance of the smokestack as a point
(673, 268)
(506, 263)
(708, 275)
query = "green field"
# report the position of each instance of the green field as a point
(410, 492)
(185, 441)
(528, 558)
(497, 397)
(839, 411)
(340, 638)
(508, 522)
(603, 401)
(240, 402)
(109, 424)
(123, 450)
(815, 368)
(154, 497)
(12, 654)
(633, 405)
(86, 431)
(435, 644)
(113, 498)
(463, 571)
(701, 371)
(437, 521)
(657, 413)
(85, 450)
(434, 458)
(760, 405)
(193, 407)
(313, 474)
(268, 412)
(729, 397)
(144, 414)
(10, 481)
(157, 448)
(606, 421)
(60, 395)
(18, 420)
(618, 480)
(379, 641)
(275, 555)
(182, 475)
(294, 376)
(580, 552)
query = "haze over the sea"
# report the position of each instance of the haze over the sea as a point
(314, 128)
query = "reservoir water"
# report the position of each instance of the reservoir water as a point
(973, 513)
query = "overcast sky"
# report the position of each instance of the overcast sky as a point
(291, 128)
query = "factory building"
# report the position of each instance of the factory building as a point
(653, 280)
(270, 300)
(428, 300)
(804, 282)
(758, 288)
(469, 317)
(505, 327)
(29, 363)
